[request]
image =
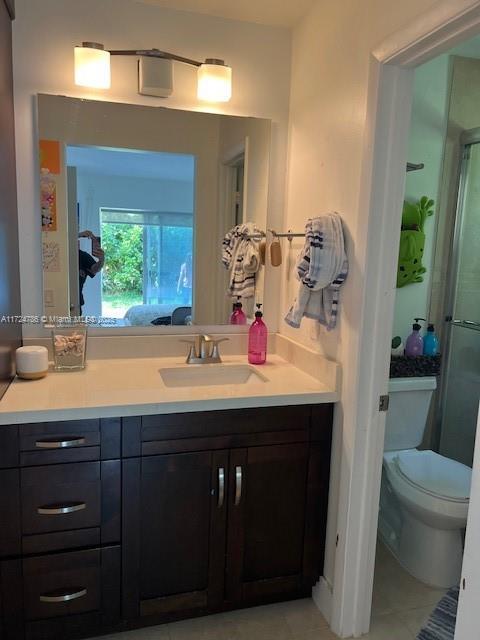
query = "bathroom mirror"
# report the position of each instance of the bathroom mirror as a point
(135, 203)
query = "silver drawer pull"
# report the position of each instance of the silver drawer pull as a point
(221, 487)
(56, 509)
(59, 444)
(62, 596)
(238, 485)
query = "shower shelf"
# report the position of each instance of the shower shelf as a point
(411, 166)
(414, 366)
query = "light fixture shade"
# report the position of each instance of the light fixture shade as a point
(92, 66)
(214, 81)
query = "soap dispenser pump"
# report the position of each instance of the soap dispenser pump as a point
(238, 316)
(414, 344)
(257, 339)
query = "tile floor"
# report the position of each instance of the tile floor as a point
(400, 606)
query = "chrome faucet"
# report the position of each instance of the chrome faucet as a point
(204, 349)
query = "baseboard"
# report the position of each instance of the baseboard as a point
(322, 596)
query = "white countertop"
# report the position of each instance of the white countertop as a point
(133, 386)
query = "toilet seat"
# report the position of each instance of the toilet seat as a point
(432, 508)
(435, 475)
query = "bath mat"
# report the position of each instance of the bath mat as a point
(441, 624)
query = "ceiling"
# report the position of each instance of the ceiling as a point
(279, 13)
(132, 164)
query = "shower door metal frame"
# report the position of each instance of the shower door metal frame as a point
(468, 138)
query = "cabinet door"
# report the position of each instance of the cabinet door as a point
(174, 533)
(266, 524)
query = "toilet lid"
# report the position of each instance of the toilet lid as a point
(436, 474)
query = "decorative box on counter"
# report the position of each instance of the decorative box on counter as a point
(69, 346)
(414, 366)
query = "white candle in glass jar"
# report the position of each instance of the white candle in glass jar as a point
(32, 362)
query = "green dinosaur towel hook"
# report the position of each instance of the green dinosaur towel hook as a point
(412, 241)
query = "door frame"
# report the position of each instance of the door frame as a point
(469, 596)
(389, 101)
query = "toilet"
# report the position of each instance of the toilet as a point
(424, 496)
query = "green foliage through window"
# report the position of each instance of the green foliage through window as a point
(131, 248)
(123, 270)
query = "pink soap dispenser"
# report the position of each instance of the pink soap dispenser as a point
(257, 339)
(238, 316)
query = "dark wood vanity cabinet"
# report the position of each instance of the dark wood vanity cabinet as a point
(112, 524)
(230, 513)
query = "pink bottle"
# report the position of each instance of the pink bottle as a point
(237, 316)
(257, 339)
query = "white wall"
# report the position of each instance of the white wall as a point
(44, 35)
(330, 74)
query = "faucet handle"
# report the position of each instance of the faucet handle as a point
(192, 353)
(215, 351)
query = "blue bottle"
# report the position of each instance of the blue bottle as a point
(430, 342)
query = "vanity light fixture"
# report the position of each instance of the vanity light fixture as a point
(92, 66)
(92, 69)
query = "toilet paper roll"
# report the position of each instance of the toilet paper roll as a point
(31, 362)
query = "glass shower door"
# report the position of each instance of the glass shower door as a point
(461, 381)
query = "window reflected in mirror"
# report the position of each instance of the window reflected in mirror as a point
(134, 214)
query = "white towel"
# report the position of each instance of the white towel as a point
(322, 268)
(240, 254)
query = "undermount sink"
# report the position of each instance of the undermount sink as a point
(210, 374)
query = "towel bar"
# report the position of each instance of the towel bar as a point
(289, 235)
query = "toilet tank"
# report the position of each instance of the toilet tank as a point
(410, 400)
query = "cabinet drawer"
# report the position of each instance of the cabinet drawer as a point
(60, 497)
(218, 423)
(70, 441)
(69, 506)
(169, 433)
(71, 594)
(62, 584)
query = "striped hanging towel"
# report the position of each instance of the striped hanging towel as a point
(240, 254)
(322, 268)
